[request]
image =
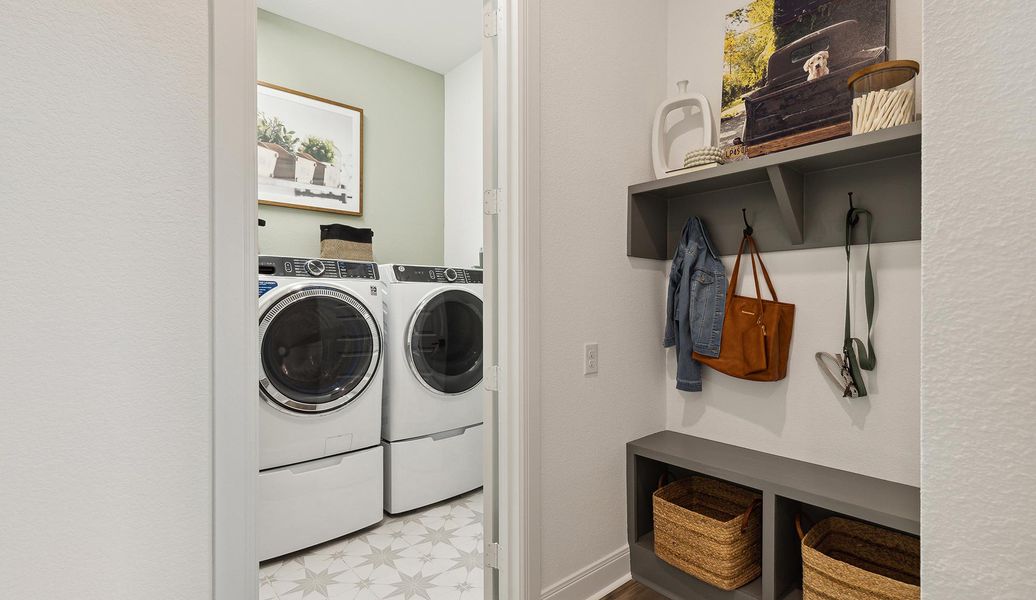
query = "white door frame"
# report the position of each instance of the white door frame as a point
(513, 244)
(523, 216)
(494, 243)
(234, 251)
(235, 460)
(513, 265)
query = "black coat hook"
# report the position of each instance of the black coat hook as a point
(744, 217)
(851, 217)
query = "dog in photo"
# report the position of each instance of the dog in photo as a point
(816, 66)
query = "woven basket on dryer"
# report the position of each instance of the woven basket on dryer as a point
(346, 243)
(849, 560)
(709, 529)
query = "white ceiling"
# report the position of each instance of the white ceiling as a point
(435, 34)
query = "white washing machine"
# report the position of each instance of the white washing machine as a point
(321, 342)
(433, 394)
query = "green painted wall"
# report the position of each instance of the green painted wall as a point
(404, 114)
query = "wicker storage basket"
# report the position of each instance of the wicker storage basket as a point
(346, 243)
(709, 529)
(849, 560)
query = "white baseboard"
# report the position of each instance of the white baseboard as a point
(595, 581)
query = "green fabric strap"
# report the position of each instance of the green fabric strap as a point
(857, 356)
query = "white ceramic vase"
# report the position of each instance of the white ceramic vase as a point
(661, 137)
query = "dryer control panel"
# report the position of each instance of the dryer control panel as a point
(419, 274)
(316, 268)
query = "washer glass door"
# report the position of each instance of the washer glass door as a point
(445, 342)
(319, 349)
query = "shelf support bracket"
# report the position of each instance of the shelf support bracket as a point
(787, 188)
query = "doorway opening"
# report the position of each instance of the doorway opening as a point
(357, 180)
(374, 444)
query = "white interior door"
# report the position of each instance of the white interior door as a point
(495, 289)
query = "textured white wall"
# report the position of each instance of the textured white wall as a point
(462, 197)
(979, 456)
(602, 76)
(105, 458)
(803, 417)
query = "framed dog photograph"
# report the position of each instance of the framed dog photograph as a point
(310, 151)
(785, 69)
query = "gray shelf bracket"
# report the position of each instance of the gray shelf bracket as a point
(787, 188)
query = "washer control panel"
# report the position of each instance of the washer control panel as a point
(316, 268)
(419, 274)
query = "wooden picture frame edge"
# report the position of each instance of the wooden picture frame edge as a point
(359, 110)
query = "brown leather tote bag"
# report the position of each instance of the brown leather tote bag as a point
(756, 332)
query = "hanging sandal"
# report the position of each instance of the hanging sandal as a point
(855, 358)
(838, 372)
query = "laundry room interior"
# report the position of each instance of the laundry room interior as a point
(370, 281)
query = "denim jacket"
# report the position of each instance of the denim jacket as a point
(696, 304)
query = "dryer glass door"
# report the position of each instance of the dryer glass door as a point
(445, 342)
(319, 349)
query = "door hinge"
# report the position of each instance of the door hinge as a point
(493, 556)
(492, 376)
(492, 22)
(491, 202)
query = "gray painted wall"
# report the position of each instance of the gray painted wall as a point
(404, 115)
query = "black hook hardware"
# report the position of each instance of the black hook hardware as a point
(852, 218)
(744, 216)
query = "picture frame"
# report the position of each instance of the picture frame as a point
(309, 151)
(785, 69)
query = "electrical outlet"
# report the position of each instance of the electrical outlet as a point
(590, 359)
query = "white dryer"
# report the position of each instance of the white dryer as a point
(321, 346)
(433, 394)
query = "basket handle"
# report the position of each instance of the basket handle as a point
(661, 479)
(798, 526)
(748, 514)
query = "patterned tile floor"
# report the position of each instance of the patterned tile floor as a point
(431, 554)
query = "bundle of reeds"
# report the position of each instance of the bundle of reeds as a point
(883, 108)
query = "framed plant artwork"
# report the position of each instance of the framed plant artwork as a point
(310, 151)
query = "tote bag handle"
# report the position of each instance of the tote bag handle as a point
(735, 276)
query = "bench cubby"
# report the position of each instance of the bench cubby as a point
(788, 487)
